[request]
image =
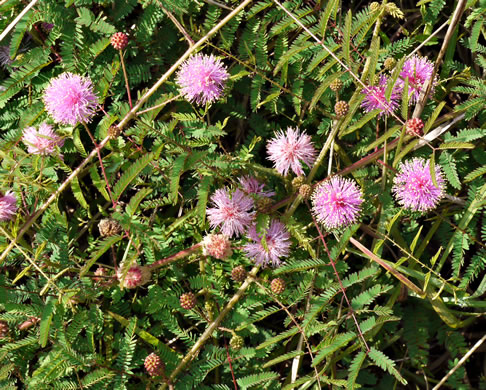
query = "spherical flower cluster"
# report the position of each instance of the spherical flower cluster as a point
(42, 141)
(414, 127)
(70, 99)
(287, 149)
(217, 246)
(336, 203)
(271, 246)
(418, 70)
(414, 188)
(154, 365)
(375, 98)
(8, 206)
(136, 276)
(231, 212)
(252, 186)
(202, 78)
(119, 40)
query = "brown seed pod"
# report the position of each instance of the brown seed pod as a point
(109, 227)
(305, 191)
(336, 85)
(277, 286)
(341, 108)
(236, 342)
(238, 274)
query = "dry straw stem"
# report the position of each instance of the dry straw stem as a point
(17, 19)
(460, 362)
(121, 125)
(212, 327)
(456, 17)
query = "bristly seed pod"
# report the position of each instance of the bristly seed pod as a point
(305, 191)
(390, 63)
(336, 85)
(414, 127)
(188, 301)
(297, 182)
(154, 365)
(277, 286)
(109, 227)
(263, 205)
(238, 274)
(3, 329)
(236, 342)
(119, 40)
(114, 132)
(341, 108)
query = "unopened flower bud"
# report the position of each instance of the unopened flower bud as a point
(341, 108)
(390, 63)
(305, 191)
(236, 342)
(119, 40)
(188, 301)
(277, 286)
(136, 276)
(414, 127)
(154, 365)
(336, 85)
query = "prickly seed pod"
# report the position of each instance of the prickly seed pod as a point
(341, 108)
(336, 85)
(263, 205)
(3, 329)
(154, 365)
(297, 182)
(119, 40)
(305, 191)
(390, 63)
(109, 227)
(414, 127)
(236, 342)
(188, 301)
(238, 274)
(114, 132)
(277, 286)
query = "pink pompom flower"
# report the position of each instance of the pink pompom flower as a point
(8, 206)
(288, 149)
(42, 141)
(375, 98)
(217, 246)
(136, 276)
(70, 99)
(413, 186)
(232, 211)
(268, 248)
(202, 78)
(336, 203)
(418, 70)
(252, 186)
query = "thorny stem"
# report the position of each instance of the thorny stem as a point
(343, 290)
(17, 19)
(126, 79)
(177, 24)
(113, 201)
(177, 256)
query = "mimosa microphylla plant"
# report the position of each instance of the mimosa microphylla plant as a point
(8, 206)
(42, 140)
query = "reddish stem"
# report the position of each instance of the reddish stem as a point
(339, 280)
(177, 256)
(230, 366)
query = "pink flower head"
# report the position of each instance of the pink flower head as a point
(8, 206)
(70, 99)
(375, 98)
(287, 149)
(136, 276)
(271, 246)
(217, 246)
(336, 203)
(202, 78)
(418, 70)
(231, 212)
(252, 186)
(414, 188)
(42, 141)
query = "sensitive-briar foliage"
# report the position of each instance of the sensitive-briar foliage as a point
(202, 78)
(70, 99)
(414, 188)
